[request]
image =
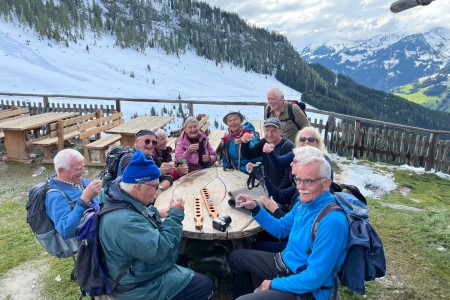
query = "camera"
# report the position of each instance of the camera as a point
(221, 223)
(258, 171)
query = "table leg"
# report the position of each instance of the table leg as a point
(16, 145)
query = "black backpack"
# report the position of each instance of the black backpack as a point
(42, 226)
(113, 164)
(291, 116)
(92, 274)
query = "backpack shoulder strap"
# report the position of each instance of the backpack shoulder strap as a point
(291, 114)
(322, 214)
(125, 205)
(268, 111)
(71, 202)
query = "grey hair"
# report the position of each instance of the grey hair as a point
(127, 187)
(159, 132)
(315, 133)
(306, 152)
(64, 158)
(277, 92)
(190, 119)
(321, 163)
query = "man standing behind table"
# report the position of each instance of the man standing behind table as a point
(277, 107)
(69, 167)
(272, 138)
(304, 269)
(138, 240)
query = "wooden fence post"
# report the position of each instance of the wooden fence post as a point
(118, 108)
(356, 138)
(431, 153)
(191, 109)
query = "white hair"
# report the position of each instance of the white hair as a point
(190, 119)
(306, 152)
(159, 132)
(322, 164)
(277, 92)
(127, 187)
(65, 157)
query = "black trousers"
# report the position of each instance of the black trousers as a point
(201, 287)
(244, 263)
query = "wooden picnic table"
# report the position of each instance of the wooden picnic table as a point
(218, 183)
(16, 132)
(129, 128)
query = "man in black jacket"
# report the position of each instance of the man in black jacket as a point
(272, 138)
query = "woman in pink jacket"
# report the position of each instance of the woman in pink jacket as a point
(194, 147)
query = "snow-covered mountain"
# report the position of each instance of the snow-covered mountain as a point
(385, 61)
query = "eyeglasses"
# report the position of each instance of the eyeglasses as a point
(309, 139)
(307, 182)
(148, 141)
(153, 185)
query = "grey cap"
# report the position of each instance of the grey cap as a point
(272, 122)
(233, 113)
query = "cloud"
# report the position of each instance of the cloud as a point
(317, 21)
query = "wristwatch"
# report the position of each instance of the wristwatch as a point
(161, 187)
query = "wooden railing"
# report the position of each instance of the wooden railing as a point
(350, 136)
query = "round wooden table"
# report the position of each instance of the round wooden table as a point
(218, 183)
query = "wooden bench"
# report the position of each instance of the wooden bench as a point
(61, 132)
(204, 123)
(259, 126)
(96, 127)
(12, 113)
(215, 138)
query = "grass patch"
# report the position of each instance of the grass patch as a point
(417, 244)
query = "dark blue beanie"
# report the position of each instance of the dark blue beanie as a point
(140, 169)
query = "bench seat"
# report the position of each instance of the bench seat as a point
(101, 144)
(215, 138)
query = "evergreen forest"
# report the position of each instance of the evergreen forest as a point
(177, 26)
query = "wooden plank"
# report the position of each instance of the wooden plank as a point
(14, 112)
(215, 138)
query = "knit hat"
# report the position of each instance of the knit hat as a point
(241, 117)
(144, 132)
(140, 169)
(272, 122)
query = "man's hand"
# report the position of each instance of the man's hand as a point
(177, 202)
(269, 204)
(91, 191)
(267, 148)
(265, 285)
(245, 201)
(183, 169)
(166, 167)
(249, 167)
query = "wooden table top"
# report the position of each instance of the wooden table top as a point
(219, 183)
(31, 122)
(140, 122)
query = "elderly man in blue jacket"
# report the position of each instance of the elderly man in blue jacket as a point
(305, 269)
(139, 237)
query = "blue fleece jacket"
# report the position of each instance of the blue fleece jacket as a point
(58, 209)
(328, 251)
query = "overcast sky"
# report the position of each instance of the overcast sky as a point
(319, 21)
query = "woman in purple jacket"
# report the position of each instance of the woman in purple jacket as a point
(194, 147)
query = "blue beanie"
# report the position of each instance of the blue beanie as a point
(140, 169)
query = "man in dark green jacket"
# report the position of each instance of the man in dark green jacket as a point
(140, 239)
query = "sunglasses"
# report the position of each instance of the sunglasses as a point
(148, 141)
(309, 139)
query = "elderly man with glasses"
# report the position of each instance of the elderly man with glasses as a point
(304, 269)
(146, 142)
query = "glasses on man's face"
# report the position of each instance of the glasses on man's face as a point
(310, 139)
(155, 185)
(307, 182)
(148, 141)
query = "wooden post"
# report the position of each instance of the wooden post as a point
(431, 153)
(118, 108)
(60, 131)
(356, 138)
(191, 109)
(45, 102)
